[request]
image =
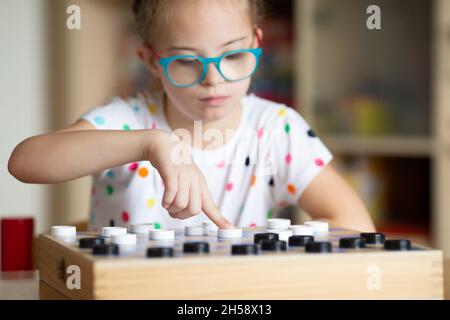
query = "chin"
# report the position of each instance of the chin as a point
(214, 113)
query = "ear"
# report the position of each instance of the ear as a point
(260, 34)
(148, 59)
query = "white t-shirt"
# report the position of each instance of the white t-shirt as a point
(266, 165)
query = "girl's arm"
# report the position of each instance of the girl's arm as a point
(329, 197)
(76, 151)
(80, 150)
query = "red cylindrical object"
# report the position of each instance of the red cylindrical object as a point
(17, 243)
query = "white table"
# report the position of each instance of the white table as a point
(19, 285)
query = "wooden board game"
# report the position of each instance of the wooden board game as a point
(371, 272)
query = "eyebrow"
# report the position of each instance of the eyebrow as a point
(193, 49)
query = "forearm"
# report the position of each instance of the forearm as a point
(349, 212)
(330, 198)
(64, 156)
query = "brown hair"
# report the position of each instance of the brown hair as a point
(149, 14)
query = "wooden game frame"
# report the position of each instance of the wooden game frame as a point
(416, 274)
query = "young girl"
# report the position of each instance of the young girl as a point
(200, 148)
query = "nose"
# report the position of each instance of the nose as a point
(213, 76)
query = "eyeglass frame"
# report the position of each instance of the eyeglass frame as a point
(165, 61)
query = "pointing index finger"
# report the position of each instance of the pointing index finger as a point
(214, 214)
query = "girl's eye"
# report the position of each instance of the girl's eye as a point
(186, 61)
(235, 56)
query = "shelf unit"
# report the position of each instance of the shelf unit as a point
(432, 142)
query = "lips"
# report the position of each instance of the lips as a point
(214, 100)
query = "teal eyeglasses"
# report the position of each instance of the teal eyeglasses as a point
(188, 70)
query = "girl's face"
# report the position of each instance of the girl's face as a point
(207, 29)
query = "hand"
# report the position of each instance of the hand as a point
(186, 192)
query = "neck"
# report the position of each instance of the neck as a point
(177, 120)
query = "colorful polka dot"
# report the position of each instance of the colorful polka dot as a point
(112, 223)
(157, 225)
(281, 112)
(221, 164)
(288, 158)
(250, 114)
(287, 128)
(252, 225)
(125, 216)
(109, 190)
(136, 108)
(269, 214)
(229, 186)
(247, 161)
(99, 120)
(126, 127)
(319, 162)
(152, 108)
(133, 166)
(291, 188)
(253, 182)
(260, 132)
(271, 182)
(311, 133)
(151, 202)
(143, 172)
(110, 174)
(154, 125)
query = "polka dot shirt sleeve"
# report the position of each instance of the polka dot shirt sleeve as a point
(299, 154)
(118, 115)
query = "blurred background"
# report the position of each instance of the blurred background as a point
(379, 99)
